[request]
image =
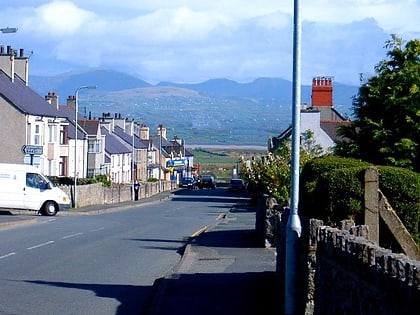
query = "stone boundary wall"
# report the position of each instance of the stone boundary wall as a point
(96, 194)
(353, 275)
(341, 271)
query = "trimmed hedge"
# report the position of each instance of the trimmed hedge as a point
(402, 189)
(332, 189)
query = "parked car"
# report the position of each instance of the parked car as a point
(208, 181)
(236, 184)
(189, 182)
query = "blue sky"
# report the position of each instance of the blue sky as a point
(196, 40)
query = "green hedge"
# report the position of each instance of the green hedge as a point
(332, 189)
(402, 189)
(69, 181)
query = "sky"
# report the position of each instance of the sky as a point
(191, 41)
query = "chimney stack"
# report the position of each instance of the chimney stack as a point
(144, 132)
(322, 92)
(71, 101)
(12, 63)
(52, 98)
(161, 131)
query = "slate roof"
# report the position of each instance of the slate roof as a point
(178, 147)
(330, 127)
(90, 126)
(112, 143)
(24, 99)
(129, 139)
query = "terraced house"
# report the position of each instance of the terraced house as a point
(28, 120)
(40, 131)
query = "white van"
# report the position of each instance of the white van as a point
(24, 187)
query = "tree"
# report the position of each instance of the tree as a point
(386, 129)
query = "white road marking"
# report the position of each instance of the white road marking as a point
(50, 242)
(40, 245)
(95, 230)
(7, 255)
(71, 235)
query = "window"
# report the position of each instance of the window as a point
(37, 135)
(52, 133)
(63, 134)
(94, 146)
(34, 180)
(62, 166)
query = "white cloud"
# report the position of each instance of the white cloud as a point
(190, 40)
(391, 15)
(60, 18)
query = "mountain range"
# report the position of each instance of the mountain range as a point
(217, 111)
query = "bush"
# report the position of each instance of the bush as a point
(99, 179)
(332, 189)
(402, 189)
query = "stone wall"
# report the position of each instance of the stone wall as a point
(355, 276)
(341, 271)
(96, 194)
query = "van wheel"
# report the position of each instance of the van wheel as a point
(50, 208)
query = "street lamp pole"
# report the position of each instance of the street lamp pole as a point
(160, 158)
(7, 30)
(76, 109)
(294, 229)
(133, 165)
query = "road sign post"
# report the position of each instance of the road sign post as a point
(32, 150)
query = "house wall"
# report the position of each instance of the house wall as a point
(141, 165)
(12, 133)
(120, 168)
(310, 120)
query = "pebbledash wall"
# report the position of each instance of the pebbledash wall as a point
(341, 271)
(96, 194)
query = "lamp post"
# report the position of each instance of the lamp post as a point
(160, 158)
(76, 108)
(133, 164)
(7, 30)
(294, 229)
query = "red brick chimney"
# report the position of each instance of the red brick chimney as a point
(322, 92)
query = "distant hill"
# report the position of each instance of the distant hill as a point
(67, 83)
(264, 89)
(217, 111)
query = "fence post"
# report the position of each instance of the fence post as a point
(372, 203)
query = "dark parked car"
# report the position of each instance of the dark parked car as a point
(189, 182)
(208, 181)
(236, 184)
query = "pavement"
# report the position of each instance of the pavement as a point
(223, 269)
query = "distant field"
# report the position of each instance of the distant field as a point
(221, 161)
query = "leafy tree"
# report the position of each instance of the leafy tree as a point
(387, 109)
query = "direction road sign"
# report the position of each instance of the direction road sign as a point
(32, 149)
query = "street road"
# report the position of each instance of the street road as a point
(100, 263)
